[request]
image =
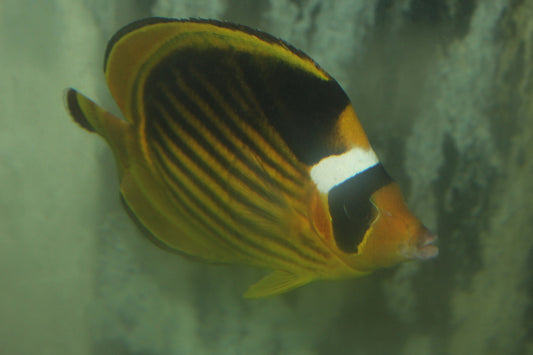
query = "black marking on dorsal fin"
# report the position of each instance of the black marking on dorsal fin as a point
(300, 106)
(224, 24)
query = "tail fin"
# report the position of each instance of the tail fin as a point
(76, 111)
(94, 118)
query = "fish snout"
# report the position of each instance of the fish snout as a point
(422, 246)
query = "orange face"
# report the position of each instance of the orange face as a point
(395, 234)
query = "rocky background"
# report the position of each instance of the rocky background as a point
(444, 90)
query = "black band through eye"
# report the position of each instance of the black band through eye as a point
(350, 208)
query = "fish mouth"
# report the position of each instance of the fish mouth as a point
(422, 246)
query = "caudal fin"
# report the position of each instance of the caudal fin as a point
(94, 118)
(77, 110)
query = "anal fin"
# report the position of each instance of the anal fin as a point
(275, 283)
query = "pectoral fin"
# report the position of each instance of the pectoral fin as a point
(275, 283)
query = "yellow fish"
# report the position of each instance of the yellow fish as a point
(239, 148)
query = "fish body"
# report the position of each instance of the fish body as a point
(238, 148)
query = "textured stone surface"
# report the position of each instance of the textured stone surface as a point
(444, 90)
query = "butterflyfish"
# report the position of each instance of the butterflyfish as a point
(236, 147)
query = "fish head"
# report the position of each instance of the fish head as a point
(395, 234)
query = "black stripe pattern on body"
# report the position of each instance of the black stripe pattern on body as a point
(301, 107)
(212, 140)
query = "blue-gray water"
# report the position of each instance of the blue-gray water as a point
(444, 90)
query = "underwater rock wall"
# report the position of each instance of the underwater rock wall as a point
(444, 90)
